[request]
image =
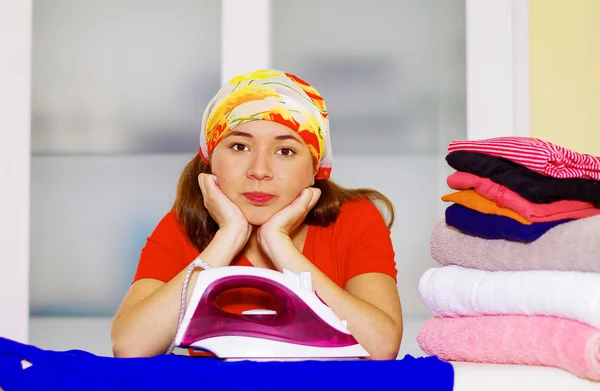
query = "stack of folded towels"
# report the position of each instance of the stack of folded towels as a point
(519, 256)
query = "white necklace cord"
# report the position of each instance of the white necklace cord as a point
(198, 262)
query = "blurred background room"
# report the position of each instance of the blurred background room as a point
(118, 89)
(118, 92)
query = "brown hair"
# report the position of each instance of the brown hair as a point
(200, 227)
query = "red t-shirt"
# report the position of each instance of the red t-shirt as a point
(357, 242)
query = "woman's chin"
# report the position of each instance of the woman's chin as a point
(258, 217)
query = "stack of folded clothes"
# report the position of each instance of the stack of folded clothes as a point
(519, 256)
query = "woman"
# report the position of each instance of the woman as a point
(258, 193)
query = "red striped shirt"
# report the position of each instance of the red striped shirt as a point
(535, 154)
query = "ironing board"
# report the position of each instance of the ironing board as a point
(77, 370)
(502, 377)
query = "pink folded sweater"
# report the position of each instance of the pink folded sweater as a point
(515, 339)
(506, 198)
(536, 154)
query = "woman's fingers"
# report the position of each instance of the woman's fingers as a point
(316, 194)
(201, 183)
(308, 199)
(209, 188)
(210, 195)
(224, 211)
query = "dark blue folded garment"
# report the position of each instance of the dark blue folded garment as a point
(490, 226)
(80, 370)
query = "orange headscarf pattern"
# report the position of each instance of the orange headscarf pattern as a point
(270, 95)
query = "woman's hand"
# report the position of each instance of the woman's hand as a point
(232, 222)
(287, 220)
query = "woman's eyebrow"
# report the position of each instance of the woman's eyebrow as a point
(287, 137)
(249, 135)
(238, 133)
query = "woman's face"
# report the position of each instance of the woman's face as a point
(262, 166)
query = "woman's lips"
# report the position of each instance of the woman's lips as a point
(259, 198)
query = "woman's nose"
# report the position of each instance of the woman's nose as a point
(260, 167)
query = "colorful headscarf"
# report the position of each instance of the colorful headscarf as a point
(270, 95)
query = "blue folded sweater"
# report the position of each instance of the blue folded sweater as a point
(490, 226)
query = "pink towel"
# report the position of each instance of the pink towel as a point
(535, 154)
(515, 339)
(506, 198)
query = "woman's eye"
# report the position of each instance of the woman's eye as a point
(239, 147)
(285, 152)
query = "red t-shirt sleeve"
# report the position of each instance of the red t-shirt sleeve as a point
(167, 251)
(369, 244)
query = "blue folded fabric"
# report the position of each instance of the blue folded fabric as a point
(80, 370)
(490, 226)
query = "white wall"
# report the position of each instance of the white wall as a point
(122, 76)
(497, 54)
(15, 61)
(245, 31)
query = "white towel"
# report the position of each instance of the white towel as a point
(453, 291)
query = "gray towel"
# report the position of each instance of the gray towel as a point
(572, 246)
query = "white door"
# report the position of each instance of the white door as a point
(15, 86)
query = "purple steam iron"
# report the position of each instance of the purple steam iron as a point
(304, 327)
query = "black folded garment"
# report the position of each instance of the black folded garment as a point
(530, 185)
